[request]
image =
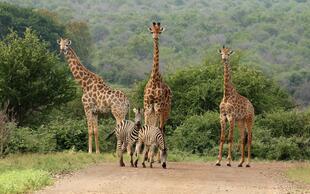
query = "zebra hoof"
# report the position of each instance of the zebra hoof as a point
(164, 165)
(248, 166)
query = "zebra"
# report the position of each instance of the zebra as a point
(127, 134)
(151, 137)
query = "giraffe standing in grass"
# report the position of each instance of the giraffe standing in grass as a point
(234, 108)
(97, 95)
(157, 94)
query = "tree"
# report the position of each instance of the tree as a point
(18, 19)
(31, 78)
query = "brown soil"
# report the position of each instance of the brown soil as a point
(179, 178)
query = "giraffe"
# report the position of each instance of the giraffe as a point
(234, 108)
(97, 95)
(157, 94)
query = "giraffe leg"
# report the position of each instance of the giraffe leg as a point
(230, 139)
(90, 129)
(95, 127)
(242, 137)
(222, 139)
(249, 127)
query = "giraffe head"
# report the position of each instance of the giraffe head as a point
(155, 29)
(138, 116)
(64, 45)
(225, 53)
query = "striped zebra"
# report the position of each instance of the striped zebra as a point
(127, 134)
(151, 137)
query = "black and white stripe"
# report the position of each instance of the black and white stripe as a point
(152, 138)
(127, 134)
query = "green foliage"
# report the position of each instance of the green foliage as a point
(31, 78)
(282, 136)
(18, 19)
(197, 134)
(123, 47)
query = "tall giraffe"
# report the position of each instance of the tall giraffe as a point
(97, 95)
(234, 108)
(157, 94)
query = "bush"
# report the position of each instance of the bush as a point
(198, 134)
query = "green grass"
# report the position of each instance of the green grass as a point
(300, 173)
(22, 173)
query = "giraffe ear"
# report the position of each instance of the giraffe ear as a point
(150, 30)
(231, 52)
(134, 110)
(69, 42)
(162, 29)
(58, 41)
(220, 52)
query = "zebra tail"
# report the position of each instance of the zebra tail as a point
(109, 136)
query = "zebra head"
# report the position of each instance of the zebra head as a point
(138, 117)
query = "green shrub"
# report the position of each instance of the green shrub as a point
(198, 134)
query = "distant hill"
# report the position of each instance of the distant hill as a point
(271, 35)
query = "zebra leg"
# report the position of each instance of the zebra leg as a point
(146, 148)
(120, 153)
(130, 152)
(152, 151)
(137, 153)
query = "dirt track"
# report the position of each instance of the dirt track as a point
(177, 178)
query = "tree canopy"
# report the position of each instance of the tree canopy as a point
(31, 77)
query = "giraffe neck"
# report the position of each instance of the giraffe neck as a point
(155, 75)
(80, 73)
(228, 86)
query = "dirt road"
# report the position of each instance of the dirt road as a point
(177, 178)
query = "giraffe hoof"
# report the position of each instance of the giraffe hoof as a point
(239, 165)
(143, 165)
(228, 164)
(217, 164)
(248, 165)
(164, 165)
(136, 163)
(122, 165)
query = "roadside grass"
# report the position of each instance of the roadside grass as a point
(21, 173)
(300, 173)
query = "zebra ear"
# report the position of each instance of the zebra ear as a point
(134, 110)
